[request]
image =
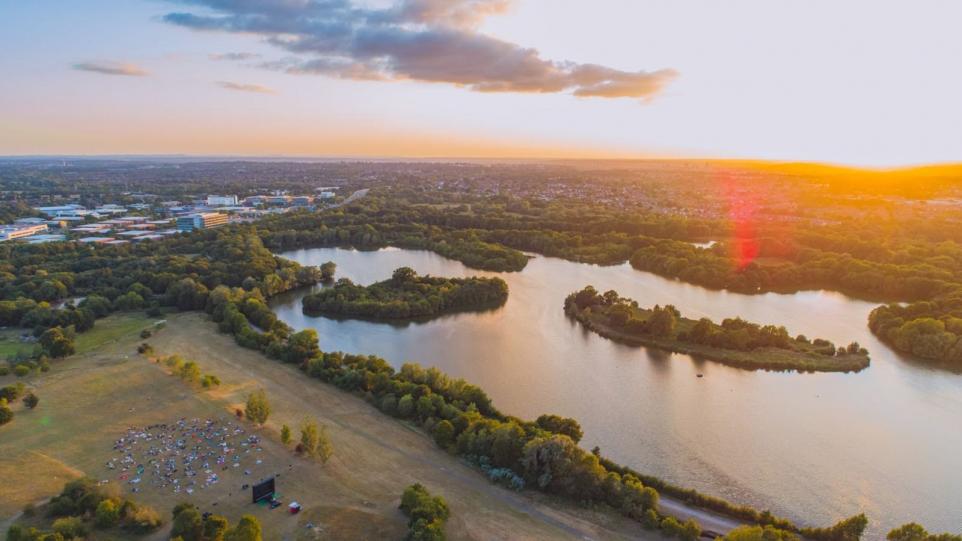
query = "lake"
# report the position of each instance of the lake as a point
(812, 447)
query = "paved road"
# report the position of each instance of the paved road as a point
(708, 520)
(351, 198)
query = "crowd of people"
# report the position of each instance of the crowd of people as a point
(185, 456)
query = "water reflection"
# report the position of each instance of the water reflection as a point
(814, 447)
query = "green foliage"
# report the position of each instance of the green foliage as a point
(257, 409)
(70, 527)
(6, 414)
(82, 500)
(31, 400)
(915, 532)
(107, 514)
(189, 372)
(57, 342)
(188, 523)
(13, 391)
(285, 434)
(561, 425)
(315, 442)
(849, 529)
(759, 533)
(426, 514)
(621, 319)
(927, 329)
(444, 433)
(407, 295)
(327, 271)
(248, 529)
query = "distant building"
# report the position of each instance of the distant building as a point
(205, 220)
(19, 231)
(95, 240)
(43, 239)
(221, 200)
(63, 210)
(326, 195)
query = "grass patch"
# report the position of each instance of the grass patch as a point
(113, 328)
(10, 344)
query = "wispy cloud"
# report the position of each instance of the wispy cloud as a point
(234, 57)
(420, 40)
(111, 68)
(243, 87)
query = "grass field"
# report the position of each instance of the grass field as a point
(113, 328)
(89, 400)
(10, 343)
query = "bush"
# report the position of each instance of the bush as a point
(6, 414)
(142, 519)
(21, 370)
(107, 514)
(70, 527)
(31, 400)
(426, 514)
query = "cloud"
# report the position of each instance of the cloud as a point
(111, 68)
(233, 57)
(420, 40)
(242, 87)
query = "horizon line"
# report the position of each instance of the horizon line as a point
(360, 158)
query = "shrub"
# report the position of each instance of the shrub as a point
(70, 527)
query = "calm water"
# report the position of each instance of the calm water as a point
(813, 447)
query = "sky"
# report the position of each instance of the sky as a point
(860, 82)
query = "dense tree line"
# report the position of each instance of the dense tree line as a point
(927, 329)
(407, 295)
(178, 272)
(621, 318)
(718, 268)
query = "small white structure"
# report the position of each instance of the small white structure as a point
(221, 200)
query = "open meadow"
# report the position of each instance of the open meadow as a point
(90, 400)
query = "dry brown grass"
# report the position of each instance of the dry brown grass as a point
(89, 400)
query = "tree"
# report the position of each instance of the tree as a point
(405, 406)
(327, 271)
(426, 514)
(31, 400)
(6, 414)
(247, 529)
(107, 514)
(315, 441)
(188, 523)
(57, 343)
(444, 433)
(215, 528)
(759, 533)
(915, 532)
(302, 346)
(403, 274)
(258, 409)
(285, 434)
(189, 372)
(561, 425)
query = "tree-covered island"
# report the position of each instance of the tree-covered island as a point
(407, 295)
(734, 342)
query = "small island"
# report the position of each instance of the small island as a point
(734, 342)
(407, 296)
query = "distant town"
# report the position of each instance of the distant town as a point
(113, 224)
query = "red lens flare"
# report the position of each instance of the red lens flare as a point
(741, 211)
